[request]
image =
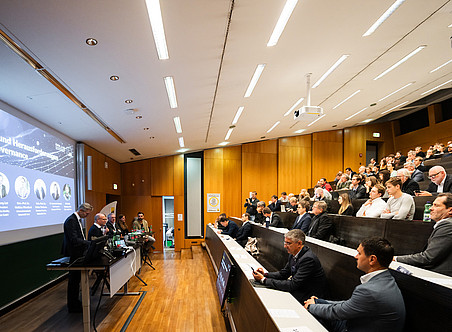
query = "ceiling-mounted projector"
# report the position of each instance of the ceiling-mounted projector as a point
(308, 111)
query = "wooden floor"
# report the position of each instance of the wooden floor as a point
(180, 296)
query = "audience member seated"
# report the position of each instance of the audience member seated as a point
(303, 194)
(372, 162)
(321, 225)
(362, 171)
(416, 175)
(349, 172)
(122, 224)
(429, 155)
(303, 274)
(375, 205)
(321, 195)
(217, 221)
(410, 156)
(344, 182)
(259, 215)
(399, 205)
(383, 176)
(229, 227)
(399, 159)
(291, 206)
(375, 305)
(272, 219)
(245, 231)
(338, 177)
(274, 204)
(303, 219)
(438, 254)
(392, 171)
(141, 224)
(346, 208)
(371, 181)
(99, 227)
(357, 189)
(441, 182)
(419, 152)
(325, 185)
(251, 205)
(409, 186)
(284, 198)
(419, 163)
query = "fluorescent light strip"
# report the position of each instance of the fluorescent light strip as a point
(367, 120)
(403, 87)
(294, 106)
(299, 131)
(449, 26)
(155, 17)
(254, 79)
(389, 110)
(170, 90)
(436, 87)
(223, 143)
(398, 63)
(444, 64)
(351, 116)
(183, 150)
(228, 134)
(282, 21)
(181, 142)
(329, 71)
(237, 115)
(177, 125)
(354, 93)
(273, 127)
(316, 120)
(383, 17)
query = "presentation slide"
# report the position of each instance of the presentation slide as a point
(37, 180)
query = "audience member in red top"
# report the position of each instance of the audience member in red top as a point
(325, 185)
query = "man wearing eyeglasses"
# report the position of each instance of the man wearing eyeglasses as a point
(303, 274)
(441, 182)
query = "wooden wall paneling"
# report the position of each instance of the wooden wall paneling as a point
(259, 170)
(156, 220)
(327, 155)
(162, 175)
(213, 181)
(179, 226)
(136, 178)
(294, 164)
(113, 176)
(354, 147)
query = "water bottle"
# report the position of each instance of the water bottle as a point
(427, 211)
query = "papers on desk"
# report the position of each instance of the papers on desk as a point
(296, 329)
(283, 313)
(447, 282)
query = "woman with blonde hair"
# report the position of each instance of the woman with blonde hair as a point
(346, 208)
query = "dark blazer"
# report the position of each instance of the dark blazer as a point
(302, 222)
(417, 176)
(432, 187)
(243, 233)
(376, 305)
(231, 229)
(321, 227)
(112, 230)
(276, 221)
(409, 186)
(95, 231)
(275, 206)
(437, 256)
(307, 276)
(359, 192)
(251, 206)
(259, 218)
(348, 211)
(74, 244)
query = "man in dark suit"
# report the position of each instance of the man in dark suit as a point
(275, 204)
(375, 305)
(112, 225)
(74, 245)
(251, 205)
(245, 231)
(99, 228)
(321, 225)
(272, 219)
(303, 274)
(229, 227)
(416, 175)
(303, 220)
(441, 182)
(409, 186)
(357, 189)
(437, 255)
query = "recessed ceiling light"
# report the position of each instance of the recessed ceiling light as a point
(128, 101)
(145, 128)
(274, 126)
(91, 42)
(436, 87)
(114, 78)
(181, 142)
(294, 106)
(177, 124)
(282, 21)
(354, 93)
(182, 150)
(329, 71)
(139, 117)
(367, 120)
(403, 87)
(299, 131)
(237, 115)
(389, 110)
(171, 91)
(228, 134)
(351, 116)
(316, 120)
(223, 143)
(439, 67)
(155, 17)
(398, 63)
(254, 79)
(383, 17)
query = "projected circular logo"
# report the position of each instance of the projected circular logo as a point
(55, 190)
(22, 187)
(67, 193)
(40, 189)
(4, 185)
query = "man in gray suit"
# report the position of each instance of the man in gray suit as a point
(375, 305)
(437, 256)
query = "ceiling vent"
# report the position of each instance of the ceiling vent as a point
(135, 152)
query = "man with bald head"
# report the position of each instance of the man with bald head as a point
(99, 228)
(441, 182)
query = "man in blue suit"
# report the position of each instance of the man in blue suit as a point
(245, 231)
(375, 305)
(303, 219)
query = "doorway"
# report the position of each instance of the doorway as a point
(371, 152)
(168, 221)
